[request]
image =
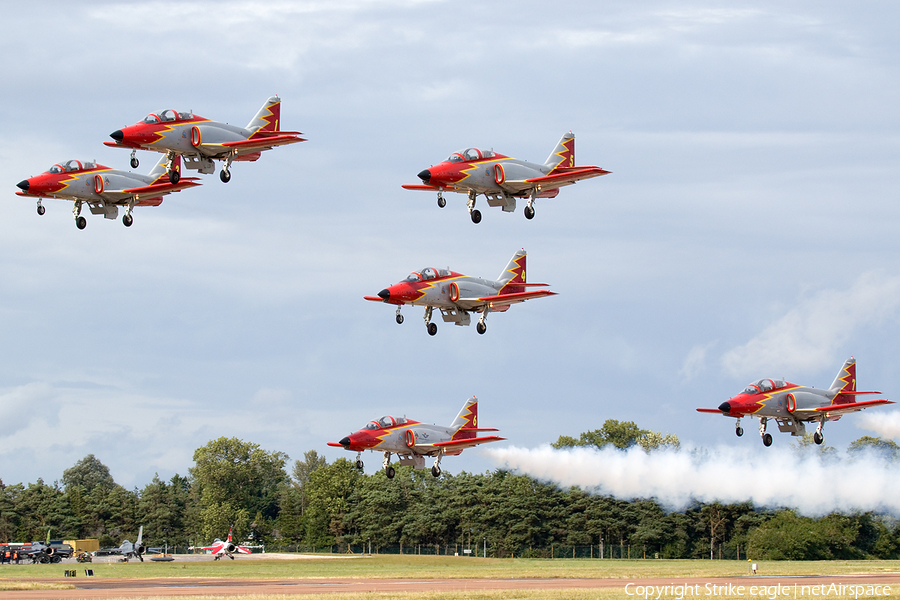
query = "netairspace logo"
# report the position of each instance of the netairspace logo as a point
(772, 592)
(804, 479)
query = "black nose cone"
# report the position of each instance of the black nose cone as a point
(384, 294)
(425, 176)
(725, 407)
(345, 442)
(117, 135)
(23, 185)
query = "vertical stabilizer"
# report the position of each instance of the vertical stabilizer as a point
(515, 270)
(846, 378)
(268, 118)
(159, 172)
(564, 153)
(140, 536)
(229, 534)
(468, 416)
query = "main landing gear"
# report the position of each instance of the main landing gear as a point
(436, 469)
(386, 463)
(766, 437)
(473, 212)
(818, 437)
(431, 327)
(127, 219)
(225, 175)
(481, 326)
(174, 175)
(80, 222)
(529, 208)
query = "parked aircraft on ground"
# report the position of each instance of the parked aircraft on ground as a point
(201, 141)
(456, 295)
(227, 548)
(792, 405)
(103, 189)
(412, 441)
(503, 179)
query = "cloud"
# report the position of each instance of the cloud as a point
(24, 405)
(695, 361)
(675, 478)
(809, 336)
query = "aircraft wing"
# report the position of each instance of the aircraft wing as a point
(258, 143)
(502, 299)
(159, 188)
(463, 444)
(852, 407)
(567, 175)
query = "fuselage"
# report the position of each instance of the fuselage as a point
(398, 435)
(778, 399)
(83, 180)
(442, 288)
(487, 172)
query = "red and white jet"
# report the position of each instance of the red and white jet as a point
(502, 179)
(792, 405)
(200, 141)
(412, 441)
(227, 548)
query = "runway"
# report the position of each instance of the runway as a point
(186, 587)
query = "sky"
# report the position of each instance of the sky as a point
(748, 228)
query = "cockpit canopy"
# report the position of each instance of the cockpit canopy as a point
(71, 165)
(426, 274)
(470, 154)
(764, 385)
(164, 116)
(385, 422)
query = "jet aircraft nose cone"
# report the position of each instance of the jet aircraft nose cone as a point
(384, 294)
(345, 442)
(23, 185)
(725, 407)
(117, 135)
(425, 176)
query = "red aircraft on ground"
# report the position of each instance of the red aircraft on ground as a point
(791, 405)
(503, 179)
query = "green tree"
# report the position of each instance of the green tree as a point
(622, 435)
(88, 473)
(886, 449)
(331, 489)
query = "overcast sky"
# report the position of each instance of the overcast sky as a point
(748, 228)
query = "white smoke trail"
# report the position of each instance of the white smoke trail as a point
(769, 477)
(885, 424)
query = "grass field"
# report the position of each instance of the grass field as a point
(446, 567)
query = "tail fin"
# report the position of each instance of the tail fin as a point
(846, 379)
(268, 118)
(515, 270)
(229, 534)
(468, 416)
(140, 536)
(159, 171)
(564, 153)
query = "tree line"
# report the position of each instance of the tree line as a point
(335, 506)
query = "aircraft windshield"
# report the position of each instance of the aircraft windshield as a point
(469, 154)
(764, 385)
(426, 274)
(71, 165)
(167, 115)
(751, 389)
(386, 421)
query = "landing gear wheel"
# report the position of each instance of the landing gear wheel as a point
(476, 216)
(41, 210)
(767, 440)
(480, 327)
(134, 163)
(80, 222)
(225, 176)
(174, 176)
(432, 329)
(436, 471)
(127, 220)
(231, 557)
(441, 202)
(359, 465)
(739, 431)
(818, 438)
(389, 472)
(399, 319)
(529, 213)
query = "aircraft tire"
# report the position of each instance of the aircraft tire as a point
(135, 163)
(389, 472)
(359, 465)
(480, 327)
(174, 176)
(399, 319)
(739, 431)
(767, 440)
(476, 216)
(529, 213)
(818, 438)
(436, 471)
(225, 176)
(80, 222)
(41, 210)
(441, 202)
(127, 220)
(432, 329)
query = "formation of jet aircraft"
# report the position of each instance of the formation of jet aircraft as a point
(503, 179)
(412, 441)
(103, 189)
(201, 141)
(456, 295)
(792, 405)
